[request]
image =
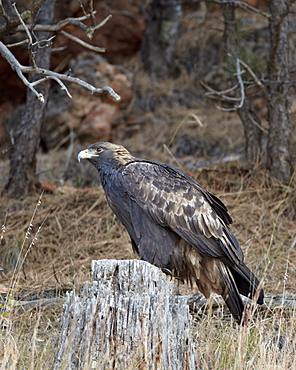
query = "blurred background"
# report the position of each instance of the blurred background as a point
(206, 86)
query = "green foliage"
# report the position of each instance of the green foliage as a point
(26, 15)
(253, 61)
(90, 32)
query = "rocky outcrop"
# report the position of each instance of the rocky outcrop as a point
(89, 117)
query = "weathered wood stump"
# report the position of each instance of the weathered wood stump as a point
(128, 318)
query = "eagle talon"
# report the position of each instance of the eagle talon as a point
(170, 274)
(179, 278)
(167, 272)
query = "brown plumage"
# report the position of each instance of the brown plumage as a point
(174, 223)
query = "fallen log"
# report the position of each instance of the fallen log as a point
(127, 318)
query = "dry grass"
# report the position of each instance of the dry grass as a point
(73, 226)
(268, 343)
(70, 228)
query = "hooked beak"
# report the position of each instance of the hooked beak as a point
(84, 154)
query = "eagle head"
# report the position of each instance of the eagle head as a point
(105, 154)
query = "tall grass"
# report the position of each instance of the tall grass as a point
(28, 337)
(27, 342)
(268, 343)
(24, 341)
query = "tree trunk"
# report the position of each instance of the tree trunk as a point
(247, 114)
(26, 139)
(253, 133)
(160, 37)
(230, 29)
(279, 141)
(127, 319)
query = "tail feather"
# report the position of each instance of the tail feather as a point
(231, 294)
(246, 282)
(236, 281)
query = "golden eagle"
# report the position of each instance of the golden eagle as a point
(175, 224)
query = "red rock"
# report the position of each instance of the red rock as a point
(97, 124)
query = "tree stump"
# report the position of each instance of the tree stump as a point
(128, 318)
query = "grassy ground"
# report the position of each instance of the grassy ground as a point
(59, 233)
(54, 235)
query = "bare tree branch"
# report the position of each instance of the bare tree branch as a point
(222, 95)
(37, 32)
(3, 13)
(85, 44)
(20, 70)
(9, 27)
(121, 12)
(211, 92)
(56, 27)
(241, 84)
(260, 127)
(15, 65)
(91, 12)
(242, 5)
(30, 42)
(104, 21)
(77, 22)
(15, 44)
(63, 87)
(21, 26)
(256, 79)
(82, 7)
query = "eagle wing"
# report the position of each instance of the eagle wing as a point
(171, 199)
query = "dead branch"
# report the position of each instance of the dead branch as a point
(21, 70)
(241, 99)
(42, 303)
(265, 132)
(21, 26)
(213, 94)
(30, 41)
(104, 21)
(85, 44)
(63, 87)
(25, 28)
(57, 26)
(28, 28)
(252, 74)
(241, 84)
(242, 5)
(3, 12)
(17, 44)
(223, 95)
(60, 25)
(198, 302)
(91, 12)
(125, 13)
(11, 24)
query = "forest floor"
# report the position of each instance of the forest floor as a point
(49, 239)
(62, 228)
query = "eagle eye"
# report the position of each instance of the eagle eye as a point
(99, 150)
